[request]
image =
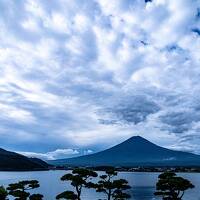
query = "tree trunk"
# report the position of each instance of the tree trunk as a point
(182, 195)
(109, 195)
(78, 193)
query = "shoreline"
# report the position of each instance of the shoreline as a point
(101, 170)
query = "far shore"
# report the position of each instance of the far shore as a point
(151, 169)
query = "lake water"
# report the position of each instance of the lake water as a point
(143, 184)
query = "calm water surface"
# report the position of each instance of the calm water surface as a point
(143, 184)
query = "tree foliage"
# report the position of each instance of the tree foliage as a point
(79, 178)
(112, 188)
(36, 197)
(70, 195)
(3, 193)
(172, 187)
(20, 190)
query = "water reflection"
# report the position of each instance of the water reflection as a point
(144, 193)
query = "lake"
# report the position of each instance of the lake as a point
(143, 184)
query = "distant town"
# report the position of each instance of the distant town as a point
(191, 169)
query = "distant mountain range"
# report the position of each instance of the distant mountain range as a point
(10, 161)
(135, 151)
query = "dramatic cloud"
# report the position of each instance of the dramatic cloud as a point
(58, 153)
(88, 74)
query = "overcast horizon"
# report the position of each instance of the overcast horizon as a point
(80, 76)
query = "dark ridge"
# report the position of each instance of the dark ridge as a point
(11, 161)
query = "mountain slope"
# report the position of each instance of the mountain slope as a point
(10, 161)
(133, 152)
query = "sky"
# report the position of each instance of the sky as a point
(79, 76)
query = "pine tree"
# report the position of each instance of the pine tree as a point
(20, 190)
(79, 179)
(172, 187)
(114, 189)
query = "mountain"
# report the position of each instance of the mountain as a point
(135, 151)
(40, 162)
(11, 161)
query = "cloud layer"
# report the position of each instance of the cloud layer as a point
(58, 153)
(89, 74)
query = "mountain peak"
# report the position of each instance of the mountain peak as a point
(137, 137)
(136, 151)
(137, 140)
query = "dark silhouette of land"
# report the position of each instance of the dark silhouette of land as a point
(11, 161)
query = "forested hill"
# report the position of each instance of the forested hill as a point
(11, 161)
